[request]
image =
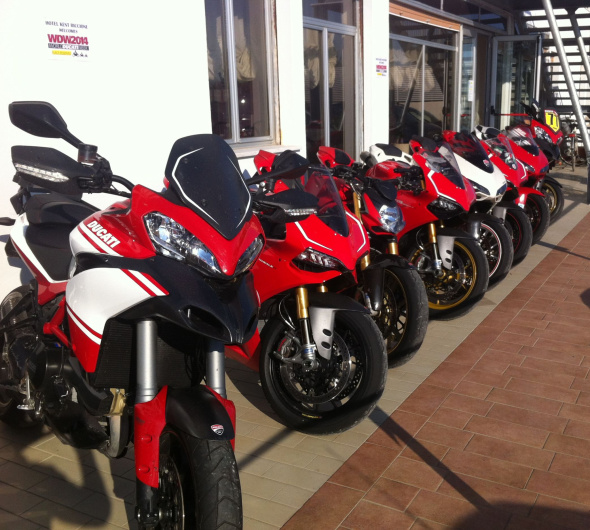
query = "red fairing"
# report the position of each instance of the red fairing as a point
(330, 157)
(263, 161)
(149, 422)
(520, 135)
(501, 155)
(133, 240)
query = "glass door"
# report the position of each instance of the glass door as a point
(515, 75)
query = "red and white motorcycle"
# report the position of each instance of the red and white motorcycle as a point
(129, 310)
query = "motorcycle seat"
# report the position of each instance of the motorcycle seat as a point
(51, 219)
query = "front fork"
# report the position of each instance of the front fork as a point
(147, 510)
(434, 242)
(308, 348)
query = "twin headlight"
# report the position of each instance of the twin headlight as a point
(173, 240)
(392, 219)
(542, 133)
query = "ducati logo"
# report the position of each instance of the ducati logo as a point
(103, 234)
(217, 429)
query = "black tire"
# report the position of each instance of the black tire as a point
(403, 318)
(450, 296)
(199, 485)
(296, 395)
(519, 227)
(554, 197)
(495, 241)
(537, 209)
(10, 400)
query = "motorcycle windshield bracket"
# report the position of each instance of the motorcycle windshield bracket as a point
(445, 248)
(322, 329)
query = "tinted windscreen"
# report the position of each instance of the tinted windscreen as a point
(501, 148)
(443, 161)
(466, 147)
(522, 137)
(205, 174)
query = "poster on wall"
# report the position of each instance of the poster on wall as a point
(67, 40)
(381, 67)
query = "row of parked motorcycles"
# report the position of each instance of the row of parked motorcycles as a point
(317, 276)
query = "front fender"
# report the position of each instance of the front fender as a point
(553, 181)
(198, 411)
(523, 195)
(373, 276)
(445, 238)
(322, 312)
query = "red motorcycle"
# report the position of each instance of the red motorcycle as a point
(452, 265)
(545, 128)
(497, 147)
(403, 315)
(320, 355)
(535, 162)
(129, 310)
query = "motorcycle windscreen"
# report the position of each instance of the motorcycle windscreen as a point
(321, 184)
(522, 137)
(501, 148)
(205, 174)
(444, 162)
(467, 147)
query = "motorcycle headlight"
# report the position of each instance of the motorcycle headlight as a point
(542, 133)
(502, 190)
(392, 218)
(480, 191)
(314, 261)
(444, 208)
(530, 169)
(173, 240)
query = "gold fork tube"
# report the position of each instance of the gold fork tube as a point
(302, 303)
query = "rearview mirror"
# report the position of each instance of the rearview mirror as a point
(40, 119)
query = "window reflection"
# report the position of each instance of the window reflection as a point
(341, 11)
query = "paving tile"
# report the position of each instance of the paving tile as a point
(560, 486)
(364, 467)
(332, 501)
(19, 476)
(253, 524)
(451, 417)
(11, 521)
(269, 512)
(578, 429)
(571, 466)
(317, 446)
(568, 445)
(528, 418)
(390, 493)
(15, 500)
(487, 493)
(324, 465)
(584, 399)
(415, 473)
(516, 339)
(476, 390)
(262, 487)
(292, 496)
(255, 466)
(423, 524)
(487, 378)
(443, 435)
(424, 400)
(423, 451)
(519, 454)
(484, 467)
(540, 376)
(60, 491)
(107, 509)
(517, 399)
(282, 436)
(72, 471)
(53, 515)
(467, 355)
(575, 412)
(543, 390)
(562, 512)
(447, 375)
(467, 404)
(508, 431)
(257, 448)
(296, 476)
(398, 429)
(455, 512)
(369, 515)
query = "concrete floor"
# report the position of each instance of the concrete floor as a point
(44, 484)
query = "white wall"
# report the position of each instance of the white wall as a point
(375, 87)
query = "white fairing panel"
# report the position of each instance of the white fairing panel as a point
(82, 239)
(491, 181)
(99, 294)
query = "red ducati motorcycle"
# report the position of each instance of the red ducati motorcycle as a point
(535, 162)
(545, 128)
(500, 154)
(129, 310)
(452, 265)
(320, 355)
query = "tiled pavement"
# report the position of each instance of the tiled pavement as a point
(490, 427)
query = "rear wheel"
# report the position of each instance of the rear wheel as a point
(456, 290)
(554, 197)
(520, 230)
(496, 243)
(537, 210)
(403, 318)
(199, 486)
(337, 395)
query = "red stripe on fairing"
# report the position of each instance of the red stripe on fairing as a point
(86, 327)
(87, 237)
(143, 286)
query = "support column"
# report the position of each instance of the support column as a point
(570, 85)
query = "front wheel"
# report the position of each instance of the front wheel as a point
(496, 243)
(338, 394)
(521, 232)
(453, 292)
(403, 318)
(199, 486)
(537, 210)
(554, 197)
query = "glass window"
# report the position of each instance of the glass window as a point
(409, 28)
(493, 20)
(238, 69)
(438, 89)
(467, 84)
(462, 8)
(340, 11)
